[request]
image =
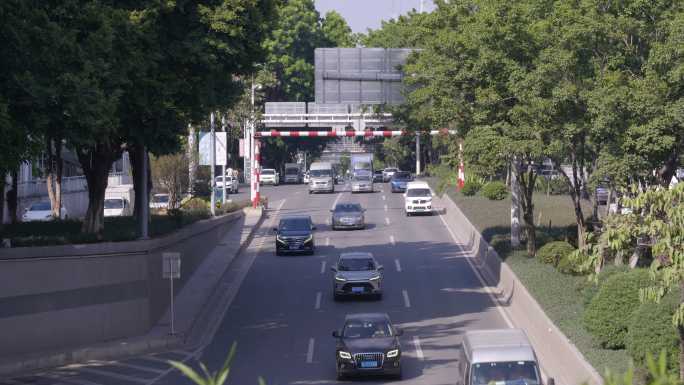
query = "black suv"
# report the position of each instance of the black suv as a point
(295, 235)
(368, 344)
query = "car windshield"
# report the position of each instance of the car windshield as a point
(390, 170)
(320, 173)
(291, 171)
(418, 192)
(161, 198)
(113, 203)
(267, 172)
(505, 373)
(356, 264)
(367, 329)
(41, 206)
(348, 208)
(295, 224)
(403, 175)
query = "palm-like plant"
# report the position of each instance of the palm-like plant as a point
(206, 377)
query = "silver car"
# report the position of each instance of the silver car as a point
(362, 183)
(348, 216)
(357, 274)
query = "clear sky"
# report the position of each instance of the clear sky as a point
(364, 14)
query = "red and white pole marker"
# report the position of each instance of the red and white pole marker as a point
(367, 133)
(257, 173)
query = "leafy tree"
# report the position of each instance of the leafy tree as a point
(336, 31)
(170, 172)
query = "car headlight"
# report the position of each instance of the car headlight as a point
(309, 239)
(393, 353)
(375, 278)
(345, 355)
(340, 279)
(279, 239)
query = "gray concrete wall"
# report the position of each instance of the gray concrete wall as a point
(66, 296)
(559, 357)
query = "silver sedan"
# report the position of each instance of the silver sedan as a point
(348, 216)
(362, 183)
(357, 274)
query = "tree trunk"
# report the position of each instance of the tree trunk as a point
(576, 195)
(3, 176)
(526, 182)
(668, 169)
(136, 156)
(96, 163)
(54, 175)
(192, 158)
(12, 197)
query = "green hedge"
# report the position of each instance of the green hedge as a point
(651, 331)
(552, 252)
(569, 265)
(609, 313)
(471, 187)
(590, 288)
(495, 191)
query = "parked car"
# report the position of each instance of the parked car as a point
(294, 234)
(362, 183)
(399, 180)
(231, 183)
(160, 201)
(377, 176)
(269, 176)
(357, 274)
(387, 173)
(368, 344)
(41, 211)
(348, 216)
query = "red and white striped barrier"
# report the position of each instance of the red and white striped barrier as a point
(382, 133)
(257, 174)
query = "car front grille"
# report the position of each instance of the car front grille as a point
(420, 201)
(378, 357)
(293, 241)
(367, 287)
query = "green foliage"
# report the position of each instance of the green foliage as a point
(336, 31)
(651, 331)
(609, 313)
(553, 252)
(554, 186)
(591, 286)
(495, 191)
(659, 373)
(471, 187)
(208, 378)
(484, 152)
(446, 177)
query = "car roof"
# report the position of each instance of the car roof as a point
(367, 317)
(499, 345)
(356, 255)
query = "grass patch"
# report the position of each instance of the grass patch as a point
(558, 294)
(116, 229)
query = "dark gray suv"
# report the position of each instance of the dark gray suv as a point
(368, 344)
(295, 235)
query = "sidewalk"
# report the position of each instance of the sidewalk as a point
(189, 303)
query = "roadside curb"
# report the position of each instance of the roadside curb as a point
(520, 306)
(153, 341)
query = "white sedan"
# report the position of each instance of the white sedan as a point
(41, 211)
(269, 176)
(231, 183)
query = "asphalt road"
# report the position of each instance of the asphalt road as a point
(283, 313)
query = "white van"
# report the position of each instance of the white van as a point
(321, 177)
(417, 198)
(117, 207)
(500, 356)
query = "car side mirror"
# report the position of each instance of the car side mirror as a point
(313, 227)
(381, 267)
(398, 332)
(336, 334)
(275, 229)
(332, 211)
(550, 381)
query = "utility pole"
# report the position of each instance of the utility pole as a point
(223, 166)
(515, 204)
(417, 152)
(145, 209)
(212, 157)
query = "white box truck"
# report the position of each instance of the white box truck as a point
(119, 201)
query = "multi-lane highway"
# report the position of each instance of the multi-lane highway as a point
(283, 313)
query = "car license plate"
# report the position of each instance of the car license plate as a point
(294, 247)
(369, 364)
(357, 289)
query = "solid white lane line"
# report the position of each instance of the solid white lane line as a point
(337, 199)
(323, 267)
(383, 198)
(392, 241)
(407, 301)
(398, 265)
(310, 351)
(327, 241)
(387, 221)
(419, 350)
(385, 207)
(318, 300)
(502, 312)
(327, 221)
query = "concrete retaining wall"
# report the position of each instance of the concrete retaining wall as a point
(559, 358)
(64, 296)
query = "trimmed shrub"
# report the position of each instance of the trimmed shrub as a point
(590, 288)
(552, 252)
(471, 187)
(495, 191)
(568, 264)
(609, 313)
(651, 331)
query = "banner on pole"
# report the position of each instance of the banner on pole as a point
(205, 148)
